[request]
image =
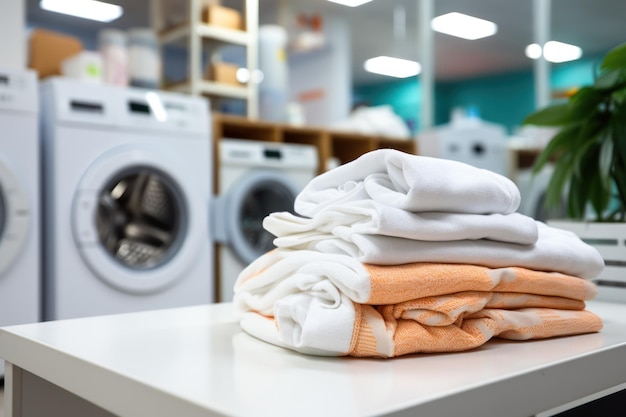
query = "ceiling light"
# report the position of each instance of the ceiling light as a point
(351, 3)
(555, 52)
(392, 67)
(87, 9)
(243, 75)
(463, 26)
(533, 51)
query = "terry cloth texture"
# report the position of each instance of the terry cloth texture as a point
(329, 304)
(412, 183)
(555, 250)
(374, 218)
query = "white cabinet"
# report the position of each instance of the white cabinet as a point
(187, 28)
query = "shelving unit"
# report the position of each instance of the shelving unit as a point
(198, 38)
(343, 146)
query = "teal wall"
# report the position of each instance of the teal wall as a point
(502, 98)
(403, 96)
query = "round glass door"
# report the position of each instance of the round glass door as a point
(14, 217)
(139, 218)
(252, 198)
(3, 215)
(139, 227)
(263, 198)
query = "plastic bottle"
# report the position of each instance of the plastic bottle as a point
(144, 61)
(112, 47)
(273, 90)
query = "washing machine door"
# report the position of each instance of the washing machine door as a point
(239, 220)
(137, 219)
(14, 217)
(533, 188)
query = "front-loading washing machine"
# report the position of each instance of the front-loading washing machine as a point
(20, 275)
(533, 187)
(255, 179)
(127, 177)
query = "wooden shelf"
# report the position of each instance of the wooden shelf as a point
(200, 38)
(178, 33)
(344, 146)
(210, 88)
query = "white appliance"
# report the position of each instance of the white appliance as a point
(127, 176)
(20, 273)
(255, 179)
(533, 187)
(470, 140)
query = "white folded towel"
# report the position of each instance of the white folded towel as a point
(410, 182)
(555, 250)
(373, 218)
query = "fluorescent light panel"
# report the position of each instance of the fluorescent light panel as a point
(350, 3)
(86, 9)
(554, 51)
(392, 67)
(463, 26)
(243, 75)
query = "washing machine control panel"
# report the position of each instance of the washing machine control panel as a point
(18, 90)
(130, 108)
(264, 154)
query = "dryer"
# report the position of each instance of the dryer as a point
(255, 179)
(127, 176)
(19, 199)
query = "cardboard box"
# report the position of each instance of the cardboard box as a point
(223, 72)
(49, 49)
(222, 16)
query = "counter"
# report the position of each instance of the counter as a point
(195, 361)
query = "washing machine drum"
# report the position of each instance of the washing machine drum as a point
(139, 218)
(239, 218)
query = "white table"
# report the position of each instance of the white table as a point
(196, 361)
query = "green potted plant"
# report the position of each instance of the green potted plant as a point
(589, 152)
(589, 158)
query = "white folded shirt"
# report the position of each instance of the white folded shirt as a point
(555, 250)
(412, 183)
(373, 218)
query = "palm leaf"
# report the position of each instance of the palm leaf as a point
(560, 141)
(556, 115)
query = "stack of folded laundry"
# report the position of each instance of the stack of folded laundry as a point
(393, 254)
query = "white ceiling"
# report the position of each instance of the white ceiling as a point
(594, 25)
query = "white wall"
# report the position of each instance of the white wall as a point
(12, 34)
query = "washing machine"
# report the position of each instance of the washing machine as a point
(255, 179)
(533, 187)
(127, 184)
(19, 199)
(470, 140)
